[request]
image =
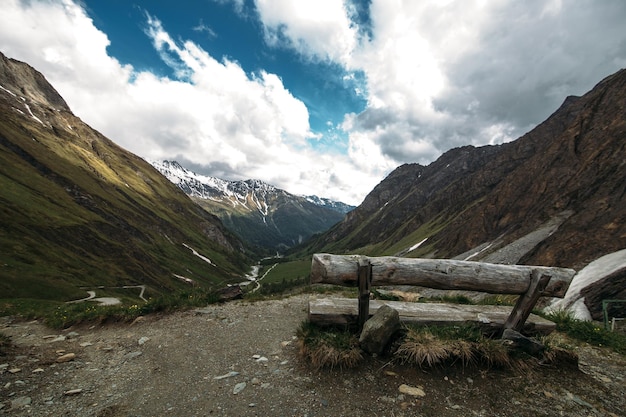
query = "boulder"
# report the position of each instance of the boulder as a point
(518, 341)
(378, 330)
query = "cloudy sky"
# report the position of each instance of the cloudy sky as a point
(320, 97)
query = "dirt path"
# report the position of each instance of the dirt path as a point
(192, 363)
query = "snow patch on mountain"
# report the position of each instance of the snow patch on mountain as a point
(253, 192)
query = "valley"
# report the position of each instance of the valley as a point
(126, 259)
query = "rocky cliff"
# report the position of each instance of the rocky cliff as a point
(558, 194)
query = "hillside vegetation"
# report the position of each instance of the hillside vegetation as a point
(77, 211)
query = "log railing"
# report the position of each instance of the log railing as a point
(530, 282)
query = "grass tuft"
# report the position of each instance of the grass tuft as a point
(326, 348)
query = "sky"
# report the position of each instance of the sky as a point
(317, 97)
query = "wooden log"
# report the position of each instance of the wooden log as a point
(344, 312)
(443, 274)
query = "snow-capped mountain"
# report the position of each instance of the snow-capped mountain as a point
(331, 204)
(258, 212)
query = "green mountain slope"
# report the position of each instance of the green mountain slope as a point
(76, 210)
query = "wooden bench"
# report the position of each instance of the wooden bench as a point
(529, 282)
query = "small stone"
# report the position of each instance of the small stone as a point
(66, 358)
(256, 356)
(390, 373)
(239, 387)
(58, 339)
(266, 385)
(143, 340)
(252, 405)
(38, 370)
(72, 335)
(14, 370)
(85, 344)
(132, 355)
(20, 383)
(228, 375)
(414, 391)
(20, 402)
(4, 366)
(262, 359)
(285, 343)
(73, 391)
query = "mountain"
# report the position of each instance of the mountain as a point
(331, 204)
(259, 213)
(76, 210)
(556, 196)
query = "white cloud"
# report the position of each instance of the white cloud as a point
(318, 29)
(438, 74)
(215, 116)
(442, 74)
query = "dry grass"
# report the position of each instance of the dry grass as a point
(427, 347)
(328, 348)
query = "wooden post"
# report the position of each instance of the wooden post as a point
(365, 281)
(525, 303)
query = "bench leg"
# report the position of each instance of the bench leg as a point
(526, 302)
(365, 281)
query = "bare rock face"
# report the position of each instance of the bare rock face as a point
(378, 330)
(18, 76)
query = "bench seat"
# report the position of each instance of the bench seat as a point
(345, 311)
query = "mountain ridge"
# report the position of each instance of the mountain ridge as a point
(258, 212)
(569, 168)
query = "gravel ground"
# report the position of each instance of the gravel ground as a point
(241, 359)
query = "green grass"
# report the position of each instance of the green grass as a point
(588, 331)
(63, 315)
(286, 270)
